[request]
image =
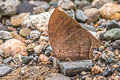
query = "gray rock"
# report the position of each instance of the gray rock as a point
(7, 60)
(34, 34)
(48, 51)
(2, 27)
(100, 3)
(26, 59)
(116, 44)
(56, 76)
(112, 34)
(24, 7)
(72, 68)
(80, 16)
(41, 4)
(4, 70)
(112, 24)
(5, 35)
(82, 4)
(8, 7)
(66, 4)
(53, 3)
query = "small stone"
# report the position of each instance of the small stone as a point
(26, 59)
(25, 32)
(108, 72)
(38, 10)
(44, 39)
(5, 35)
(42, 4)
(17, 36)
(92, 14)
(96, 70)
(4, 70)
(72, 68)
(44, 59)
(115, 66)
(53, 3)
(39, 48)
(1, 41)
(7, 60)
(30, 47)
(48, 51)
(101, 48)
(116, 52)
(71, 13)
(13, 47)
(56, 76)
(112, 24)
(17, 20)
(37, 21)
(8, 7)
(80, 16)
(66, 4)
(34, 34)
(112, 34)
(24, 7)
(99, 3)
(110, 11)
(3, 27)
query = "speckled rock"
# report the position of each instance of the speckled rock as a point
(34, 34)
(39, 48)
(100, 3)
(112, 34)
(93, 14)
(25, 32)
(66, 4)
(38, 21)
(17, 20)
(8, 7)
(5, 35)
(110, 11)
(56, 76)
(13, 47)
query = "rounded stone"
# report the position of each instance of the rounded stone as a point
(25, 32)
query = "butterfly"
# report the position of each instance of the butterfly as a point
(68, 39)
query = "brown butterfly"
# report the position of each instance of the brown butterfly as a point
(68, 39)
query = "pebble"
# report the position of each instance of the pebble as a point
(44, 39)
(34, 34)
(25, 32)
(112, 34)
(44, 59)
(18, 48)
(112, 24)
(5, 35)
(110, 11)
(108, 72)
(4, 70)
(42, 4)
(7, 60)
(72, 68)
(80, 16)
(38, 49)
(53, 3)
(116, 44)
(71, 13)
(24, 7)
(92, 14)
(3, 27)
(17, 20)
(96, 70)
(37, 21)
(38, 10)
(99, 3)
(26, 59)
(56, 76)
(66, 4)
(1, 41)
(30, 47)
(8, 7)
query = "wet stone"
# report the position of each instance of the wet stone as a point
(72, 68)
